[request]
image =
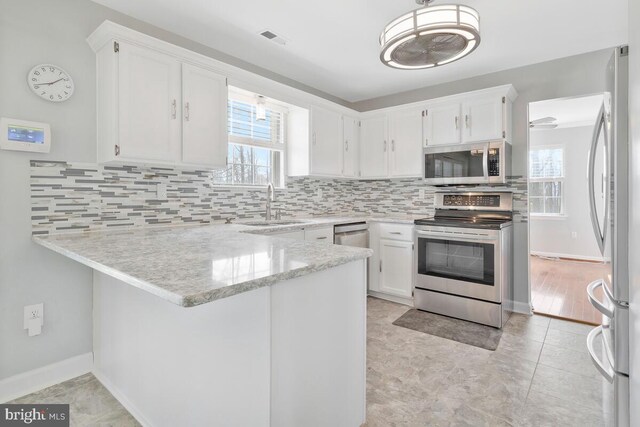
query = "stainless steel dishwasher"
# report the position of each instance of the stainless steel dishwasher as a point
(352, 234)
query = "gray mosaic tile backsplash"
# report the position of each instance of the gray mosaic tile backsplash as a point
(72, 197)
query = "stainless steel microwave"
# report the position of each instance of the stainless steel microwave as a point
(477, 163)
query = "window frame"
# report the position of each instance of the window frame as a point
(561, 179)
(248, 142)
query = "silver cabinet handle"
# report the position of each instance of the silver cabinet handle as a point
(186, 111)
(456, 122)
(393, 145)
(395, 232)
(606, 371)
(385, 145)
(346, 145)
(174, 109)
(321, 238)
(595, 302)
(314, 138)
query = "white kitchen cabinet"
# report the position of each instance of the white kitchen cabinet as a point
(326, 142)
(351, 135)
(396, 267)
(391, 265)
(149, 121)
(322, 234)
(204, 101)
(373, 147)
(483, 119)
(153, 107)
(405, 134)
(442, 124)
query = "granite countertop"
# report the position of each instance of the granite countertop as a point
(193, 265)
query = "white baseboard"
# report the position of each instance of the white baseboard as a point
(46, 376)
(521, 307)
(571, 256)
(120, 397)
(392, 298)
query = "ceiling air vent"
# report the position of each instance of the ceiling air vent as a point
(270, 35)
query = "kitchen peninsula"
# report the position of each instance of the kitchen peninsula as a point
(214, 323)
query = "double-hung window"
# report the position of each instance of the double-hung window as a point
(256, 151)
(546, 181)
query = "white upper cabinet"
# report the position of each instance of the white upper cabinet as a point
(373, 147)
(405, 134)
(204, 114)
(149, 122)
(326, 142)
(351, 159)
(158, 108)
(483, 119)
(442, 124)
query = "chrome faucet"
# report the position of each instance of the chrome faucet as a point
(270, 198)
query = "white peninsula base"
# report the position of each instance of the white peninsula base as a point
(289, 354)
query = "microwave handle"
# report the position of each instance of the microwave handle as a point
(485, 162)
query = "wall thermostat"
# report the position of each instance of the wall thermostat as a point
(23, 135)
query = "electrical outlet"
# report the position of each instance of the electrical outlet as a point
(574, 234)
(319, 194)
(35, 311)
(421, 193)
(161, 191)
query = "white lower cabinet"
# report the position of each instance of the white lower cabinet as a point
(391, 266)
(396, 261)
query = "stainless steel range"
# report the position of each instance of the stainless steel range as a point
(464, 257)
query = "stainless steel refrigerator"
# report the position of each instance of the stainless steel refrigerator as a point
(608, 344)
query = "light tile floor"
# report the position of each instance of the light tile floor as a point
(540, 375)
(90, 404)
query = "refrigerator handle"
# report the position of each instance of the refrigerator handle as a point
(600, 236)
(595, 302)
(606, 371)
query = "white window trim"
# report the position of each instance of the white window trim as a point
(561, 179)
(274, 146)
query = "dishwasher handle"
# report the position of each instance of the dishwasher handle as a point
(349, 228)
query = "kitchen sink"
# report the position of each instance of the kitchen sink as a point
(272, 222)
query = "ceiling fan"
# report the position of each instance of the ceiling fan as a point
(544, 123)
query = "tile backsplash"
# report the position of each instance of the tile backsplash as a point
(72, 197)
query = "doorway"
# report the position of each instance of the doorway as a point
(564, 255)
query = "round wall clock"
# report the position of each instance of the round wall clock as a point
(50, 82)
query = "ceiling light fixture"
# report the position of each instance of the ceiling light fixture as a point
(430, 36)
(261, 108)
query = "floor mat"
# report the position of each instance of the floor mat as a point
(453, 329)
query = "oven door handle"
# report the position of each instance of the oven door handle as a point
(457, 237)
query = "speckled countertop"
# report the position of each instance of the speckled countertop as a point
(194, 265)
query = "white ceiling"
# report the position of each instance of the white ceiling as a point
(333, 44)
(569, 112)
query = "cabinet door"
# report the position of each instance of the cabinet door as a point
(482, 119)
(373, 148)
(442, 125)
(326, 142)
(396, 267)
(204, 128)
(351, 132)
(149, 105)
(406, 148)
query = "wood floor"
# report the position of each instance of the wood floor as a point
(558, 288)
